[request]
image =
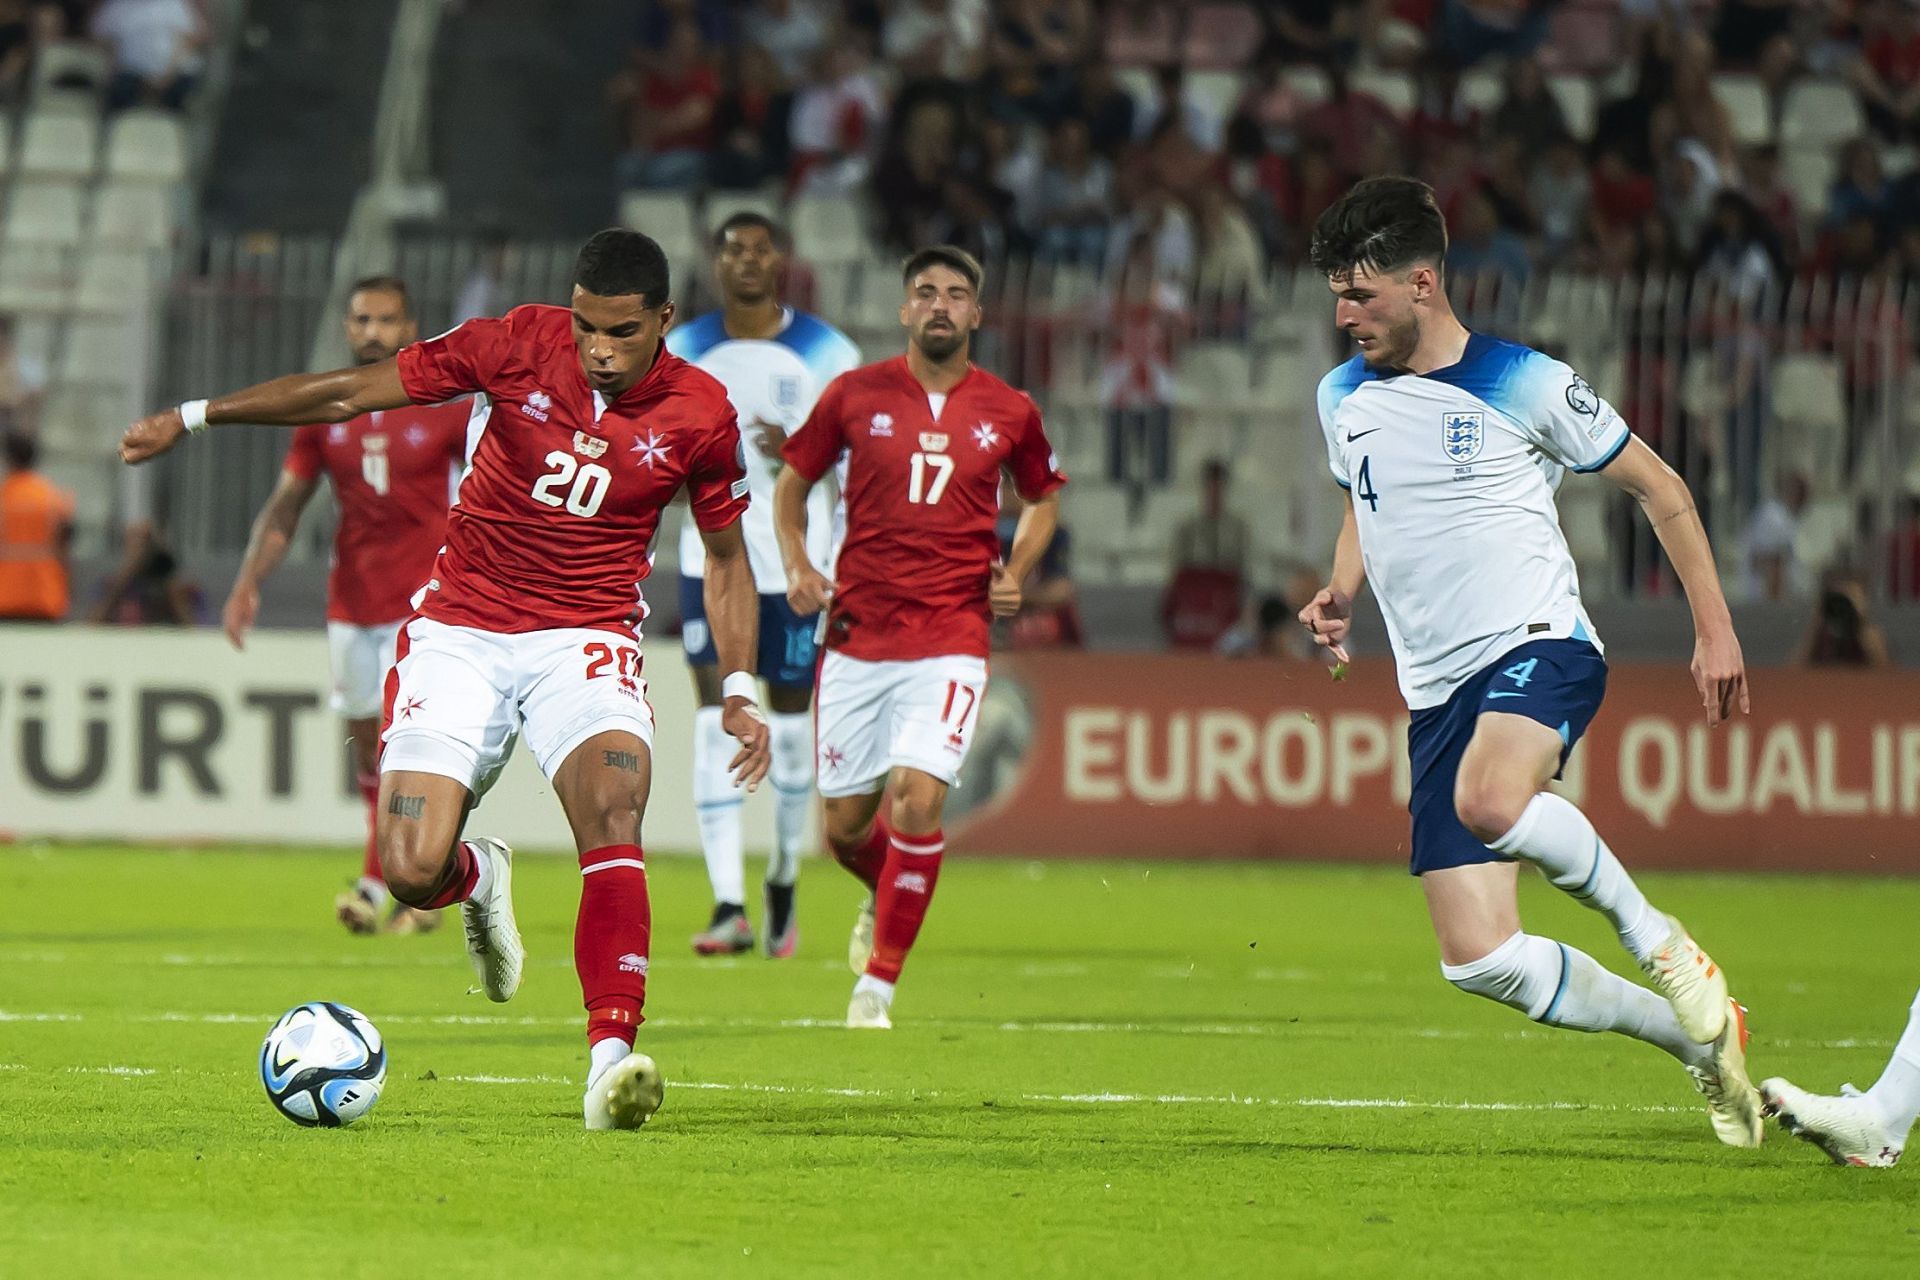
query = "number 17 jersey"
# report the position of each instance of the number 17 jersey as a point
(922, 496)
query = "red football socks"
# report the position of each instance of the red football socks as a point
(905, 890)
(456, 884)
(865, 859)
(370, 863)
(610, 940)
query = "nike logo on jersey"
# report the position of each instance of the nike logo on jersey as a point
(1355, 435)
(1497, 693)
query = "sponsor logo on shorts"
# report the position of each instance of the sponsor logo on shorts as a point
(632, 963)
(538, 406)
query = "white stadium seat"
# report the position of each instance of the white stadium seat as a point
(108, 277)
(44, 213)
(59, 145)
(137, 214)
(35, 278)
(1809, 171)
(1576, 98)
(63, 64)
(97, 352)
(1820, 112)
(669, 218)
(149, 145)
(722, 205)
(828, 229)
(1482, 91)
(1394, 88)
(1744, 100)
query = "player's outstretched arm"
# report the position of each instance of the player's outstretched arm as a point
(1031, 537)
(733, 612)
(291, 401)
(1329, 615)
(808, 590)
(267, 546)
(1719, 669)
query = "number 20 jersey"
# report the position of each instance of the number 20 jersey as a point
(1452, 475)
(556, 515)
(923, 497)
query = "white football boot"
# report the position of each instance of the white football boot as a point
(493, 939)
(868, 1012)
(860, 943)
(1731, 1097)
(625, 1095)
(1692, 983)
(1848, 1128)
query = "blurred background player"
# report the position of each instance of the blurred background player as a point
(530, 622)
(36, 534)
(1867, 1130)
(1450, 515)
(392, 473)
(926, 437)
(774, 362)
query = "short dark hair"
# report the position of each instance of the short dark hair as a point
(748, 218)
(620, 261)
(1382, 225)
(384, 284)
(944, 255)
(22, 449)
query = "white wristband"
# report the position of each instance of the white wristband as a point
(740, 684)
(194, 414)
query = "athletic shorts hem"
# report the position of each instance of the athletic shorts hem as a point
(424, 751)
(640, 726)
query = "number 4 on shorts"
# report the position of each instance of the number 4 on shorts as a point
(1521, 672)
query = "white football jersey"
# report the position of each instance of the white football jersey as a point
(1452, 475)
(773, 380)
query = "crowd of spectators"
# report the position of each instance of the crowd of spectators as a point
(155, 49)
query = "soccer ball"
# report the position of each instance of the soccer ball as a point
(323, 1064)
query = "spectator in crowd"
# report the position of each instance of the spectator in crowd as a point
(1263, 631)
(1841, 632)
(1144, 318)
(22, 381)
(1049, 616)
(910, 181)
(1902, 550)
(1098, 101)
(1886, 70)
(1326, 32)
(667, 106)
(147, 588)
(1770, 192)
(1481, 247)
(712, 22)
(157, 48)
(17, 38)
(1059, 33)
(1015, 87)
(1141, 31)
(1559, 192)
(936, 38)
(36, 531)
(1473, 30)
(1349, 117)
(1528, 113)
(750, 121)
(1772, 570)
(1176, 107)
(1859, 184)
(791, 32)
(1073, 196)
(1232, 273)
(837, 121)
(1210, 555)
(484, 291)
(1011, 161)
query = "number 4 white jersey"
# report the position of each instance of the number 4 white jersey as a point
(1452, 475)
(774, 381)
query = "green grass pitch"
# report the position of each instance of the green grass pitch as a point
(1100, 1069)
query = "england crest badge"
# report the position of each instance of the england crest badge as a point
(1462, 435)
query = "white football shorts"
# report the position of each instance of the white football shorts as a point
(359, 657)
(459, 697)
(873, 717)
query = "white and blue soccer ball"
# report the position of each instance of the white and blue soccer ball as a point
(323, 1064)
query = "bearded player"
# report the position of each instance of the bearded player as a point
(1450, 445)
(530, 622)
(918, 581)
(774, 362)
(392, 474)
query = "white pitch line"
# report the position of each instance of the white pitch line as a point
(113, 1071)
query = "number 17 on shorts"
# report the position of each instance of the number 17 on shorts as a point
(874, 717)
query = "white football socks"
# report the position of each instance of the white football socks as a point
(1556, 837)
(717, 803)
(1896, 1094)
(483, 872)
(879, 986)
(791, 773)
(604, 1054)
(1556, 984)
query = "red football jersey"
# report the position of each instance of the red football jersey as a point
(392, 473)
(922, 497)
(555, 518)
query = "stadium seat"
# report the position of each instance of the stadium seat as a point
(98, 353)
(58, 145)
(1221, 36)
(829, 229)
(667, 216)
(1809, 171)
(106, 277)
(137, 214)
(1820, 112)
(70, 67)
(722, 205)
(1394, 88)
(1576, 98)
(1826, 532)
(1099, 514)
(877, 298)
(1309, 82)
(44, 213)
(1744, 99)
(1152, 45)
(1810, 418)
(1482, 91)
(1217, 91)
(35, 278)
(1583, 38)
(1214, 376)
(149, 145)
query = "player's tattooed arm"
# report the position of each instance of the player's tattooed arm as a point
(1719, 668)
(625, 761)
(294, 400)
